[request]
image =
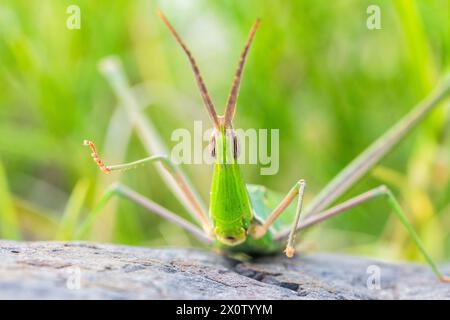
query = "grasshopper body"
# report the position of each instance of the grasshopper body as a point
(230, 208)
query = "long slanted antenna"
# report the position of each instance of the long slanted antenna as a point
(203, 91)
(232, 98)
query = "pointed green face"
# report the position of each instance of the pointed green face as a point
(230, 208)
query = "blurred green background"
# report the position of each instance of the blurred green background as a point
(315, 71)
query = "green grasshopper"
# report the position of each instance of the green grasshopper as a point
(252, 219)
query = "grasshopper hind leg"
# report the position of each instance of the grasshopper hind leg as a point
(123, 191)
(381, 191)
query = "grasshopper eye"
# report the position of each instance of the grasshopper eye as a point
(236, 147)
(212, 146)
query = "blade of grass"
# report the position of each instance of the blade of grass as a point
(9, 223)
(83, 231)
(424, 68)
(72, 211)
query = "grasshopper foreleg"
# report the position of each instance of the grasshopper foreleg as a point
(170, 167)
(297, 190)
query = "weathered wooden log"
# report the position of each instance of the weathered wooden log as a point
(74, 270)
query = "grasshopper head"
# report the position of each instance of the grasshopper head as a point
(223, 141)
